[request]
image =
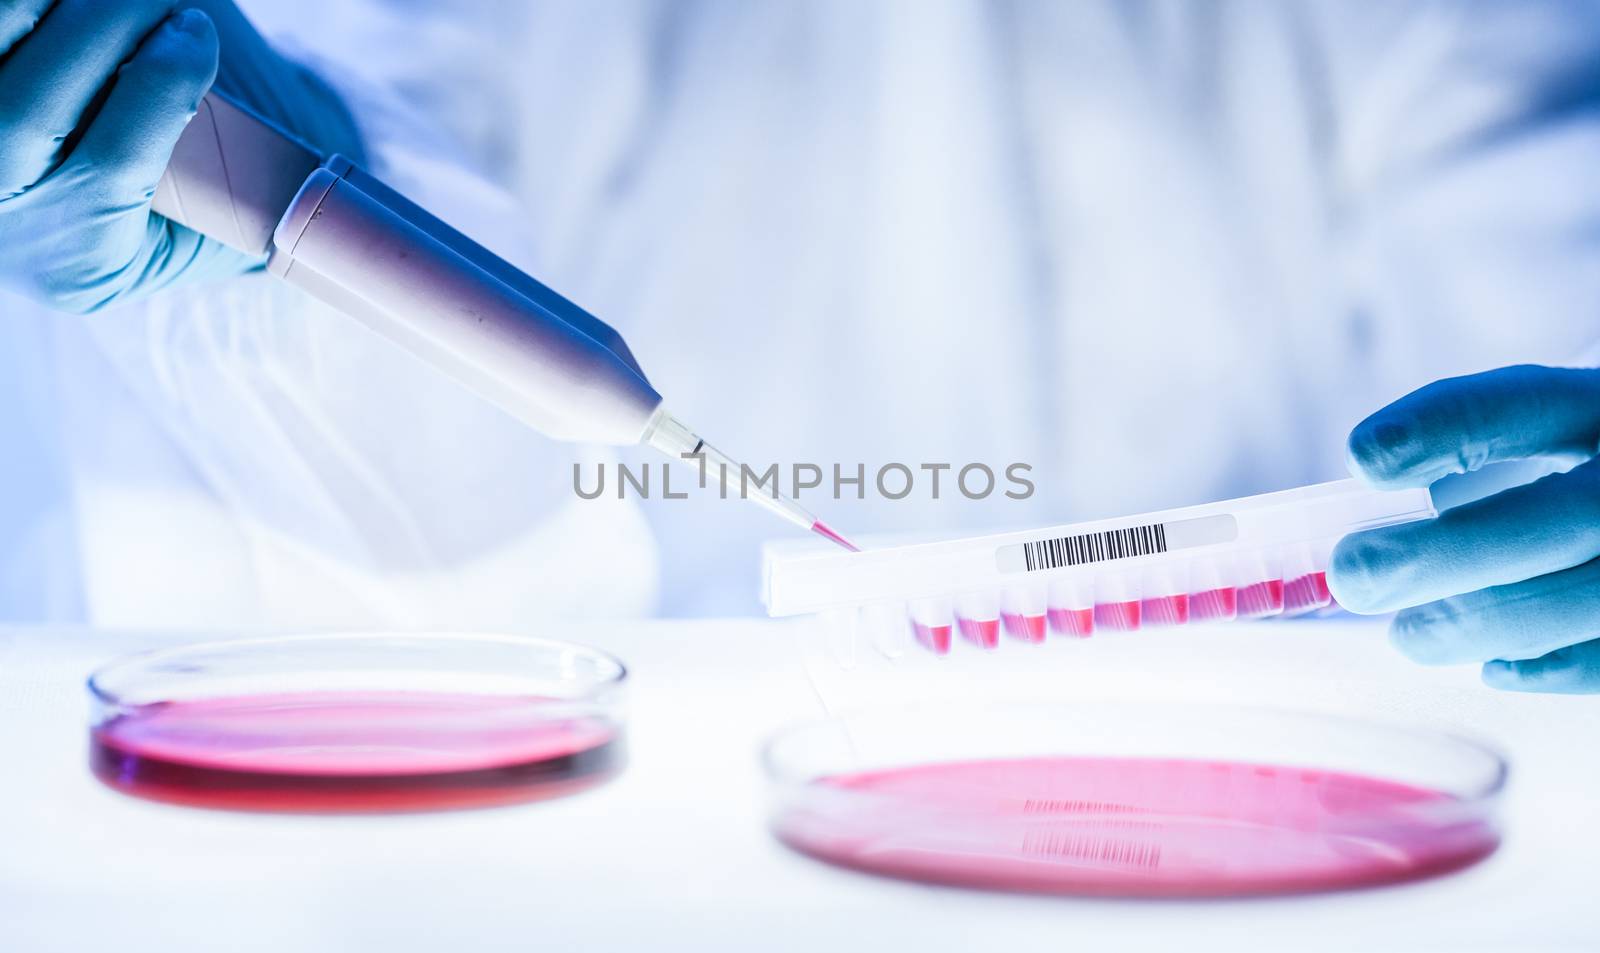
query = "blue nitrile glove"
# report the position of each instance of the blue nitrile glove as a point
(93, 96)
(1511, 580)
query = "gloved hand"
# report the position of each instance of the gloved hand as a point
(93, 96)
(1511, 580)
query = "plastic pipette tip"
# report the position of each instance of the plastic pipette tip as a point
(827, 532)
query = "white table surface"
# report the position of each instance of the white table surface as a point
(674, 853)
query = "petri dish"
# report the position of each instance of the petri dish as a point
(1133, 800)
(367, 722)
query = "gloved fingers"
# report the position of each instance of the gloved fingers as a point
(144, 255)
(153, 98)
(1462, 423)
(17, 20)
(170, 250)
(1574, 670)
(1523, 620)
(1516, 534)
(53, 76)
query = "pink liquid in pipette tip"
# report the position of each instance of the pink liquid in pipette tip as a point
(354, 751)
(827, 532)
(1133, 827)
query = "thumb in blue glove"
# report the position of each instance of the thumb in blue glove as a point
(1511, 580)
(93, 97)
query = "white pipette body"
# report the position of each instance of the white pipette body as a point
(332, 229)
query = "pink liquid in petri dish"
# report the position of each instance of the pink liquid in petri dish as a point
(1306, 593)
(1078, 623)
(1028, 628)
(1133, 827)
(934, 638)
(1261, 599)
(1117, 616)
(1214, 605)
(1166, 610)
(354, 751)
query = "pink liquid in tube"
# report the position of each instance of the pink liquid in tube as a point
(1027, 628)
(354, 751)
(934, 638)
(1261, 599)
(1133, 827)
(1077, 623)
(1117, 616)
(1166, 610)
(984, 633)
(1306, 593)
(1214, 605)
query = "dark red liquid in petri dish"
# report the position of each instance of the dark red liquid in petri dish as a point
(1133, 827)
(354, 751)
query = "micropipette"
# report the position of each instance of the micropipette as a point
(338, 233)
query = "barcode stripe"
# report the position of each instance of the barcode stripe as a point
(1100, 547)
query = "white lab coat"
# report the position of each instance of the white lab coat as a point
(1162, 252)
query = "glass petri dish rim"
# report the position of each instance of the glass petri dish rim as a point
(1492, 787)
(616, 672)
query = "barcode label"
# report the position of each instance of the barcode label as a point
(1095, 547)
(1127, 542)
